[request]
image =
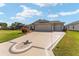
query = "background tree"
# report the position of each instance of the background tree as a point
(17, 25)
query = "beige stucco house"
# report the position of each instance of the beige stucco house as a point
(44, 25)
(73, 26)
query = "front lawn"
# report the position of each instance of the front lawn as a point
(6, 35)
(69, 45)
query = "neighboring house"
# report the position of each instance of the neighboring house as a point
(44, 25)
(3, 26)
(73, 26)
(0, 27)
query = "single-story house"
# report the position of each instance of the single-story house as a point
(45, 25)
(3, 26)
(73, 26)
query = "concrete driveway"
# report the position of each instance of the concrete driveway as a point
(42, 43)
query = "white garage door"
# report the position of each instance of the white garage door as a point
(43, 27)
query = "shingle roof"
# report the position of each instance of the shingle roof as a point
(73, 23)
(46, 21)
(56, 22)
(41, 21)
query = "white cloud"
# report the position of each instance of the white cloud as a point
(41, 4)
(1, 20)
(24, 7)
(20, 18)
(28, 12)
(12, 17)
(1, 13)
(69, 13)
(64, 14)
(52, 16)
(2, 4)
(47, 4)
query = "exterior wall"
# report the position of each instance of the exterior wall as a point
(73, 27)
(70, 27)
(76, 27)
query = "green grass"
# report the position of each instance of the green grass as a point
(69, 45)
(6, 35)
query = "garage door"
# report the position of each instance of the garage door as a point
(43, 27)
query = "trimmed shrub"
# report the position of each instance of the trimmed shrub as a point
(24, 29)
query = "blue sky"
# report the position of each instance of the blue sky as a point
(30, 12)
